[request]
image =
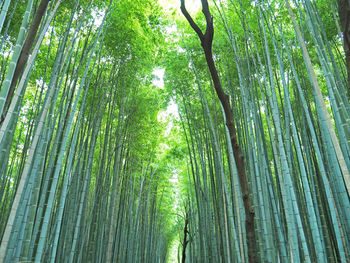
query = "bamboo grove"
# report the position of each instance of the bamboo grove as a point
(78, 176)
(286, 78)
(87, 161)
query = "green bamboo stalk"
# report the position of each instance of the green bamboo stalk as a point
(315, 84)
(16, 52)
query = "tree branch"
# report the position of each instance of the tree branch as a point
(190, 20)
(209, 32)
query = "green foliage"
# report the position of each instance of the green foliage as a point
(104, 172)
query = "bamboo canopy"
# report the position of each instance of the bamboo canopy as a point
(151, 131)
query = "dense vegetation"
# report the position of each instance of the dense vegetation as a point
(100, 161)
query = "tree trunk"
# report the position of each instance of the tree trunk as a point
(344, 17)
(206, 42)
(185, 242)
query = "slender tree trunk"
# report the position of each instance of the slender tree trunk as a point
(344, 17)
(24, 55)
(206, 42)
(185, 242)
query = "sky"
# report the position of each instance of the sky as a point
(192, 5)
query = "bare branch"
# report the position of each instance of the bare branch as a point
(209, 31)
(206, 12)
(190, 20)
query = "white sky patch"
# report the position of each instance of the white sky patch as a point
(171, 29)
(192, 6)
(170, 113)
(172, 109)
(175, 180)
(98, 17)
(158, 79)
(262, 109)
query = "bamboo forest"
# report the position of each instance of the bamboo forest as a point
(180, 131)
